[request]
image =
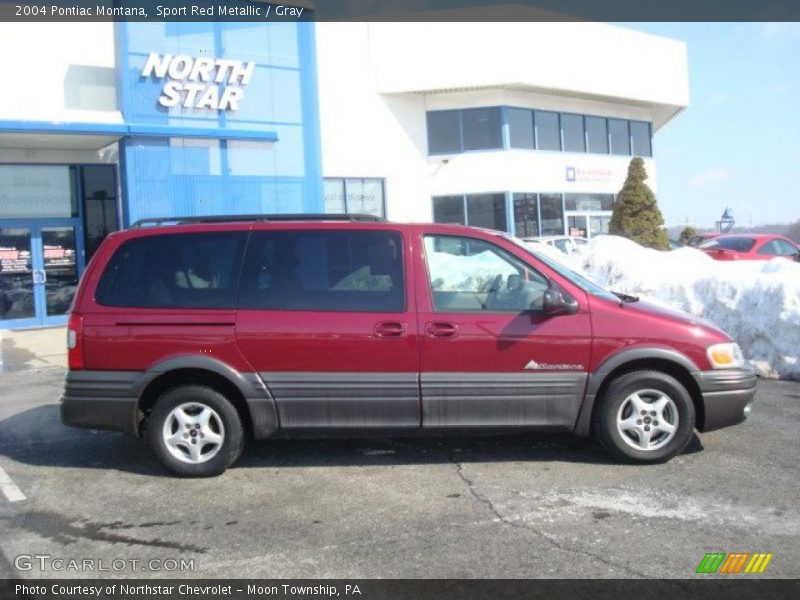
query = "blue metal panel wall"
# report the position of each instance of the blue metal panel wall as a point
(180, 175)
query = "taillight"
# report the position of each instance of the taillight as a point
(75, 341)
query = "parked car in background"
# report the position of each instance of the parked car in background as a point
(700, 238)
(674, 244)
(750, 247)
(566, 243)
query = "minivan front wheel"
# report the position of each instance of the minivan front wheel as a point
(195, 431)
(645, 417)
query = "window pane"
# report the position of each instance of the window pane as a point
(365, 196)
(588, 202)
(356, 271)
(572, 131)
(99, 181)
(444, 131)
(597, 135)
(482, 128)
(196, 270)
(28, 191)
(548, 136)
(520, 128)
(640, 136)
(334, 196)
(449, 209)
(16, 274)
(474, 275)
(487, 210)
(618, 133)
(99, 205)
(552, 214)
(526, 218)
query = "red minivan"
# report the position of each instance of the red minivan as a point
(197, 333)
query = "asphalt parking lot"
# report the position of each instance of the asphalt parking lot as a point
(510, 507)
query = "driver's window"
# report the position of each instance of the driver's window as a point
(473, 275)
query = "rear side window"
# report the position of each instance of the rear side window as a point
(189, 270)
(355, 271)
(732, 243)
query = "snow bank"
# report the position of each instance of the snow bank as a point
(756, 302)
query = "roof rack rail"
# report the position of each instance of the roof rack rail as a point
(160, 221)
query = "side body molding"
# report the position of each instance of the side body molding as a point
(613, 362)
(261, 404)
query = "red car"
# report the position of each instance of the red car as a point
(197, 334)
(750, 247)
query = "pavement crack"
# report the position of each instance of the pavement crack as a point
(481, 498)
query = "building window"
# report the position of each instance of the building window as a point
(548, 136)
(619, 137)
(552, 214)
(526, 215)
(596, 135)
(478, 210)
(520, 128)
(572, 133)
(444, 131)
(449, 209)
(355, 195)
(100, 214)
(455, 131)
(588, 202)
(487, 210)
(482, 128)
(640, 137)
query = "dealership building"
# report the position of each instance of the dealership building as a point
(522, 127)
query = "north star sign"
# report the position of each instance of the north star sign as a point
(195, 82)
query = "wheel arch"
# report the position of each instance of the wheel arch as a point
(664, 360)
(245, 391)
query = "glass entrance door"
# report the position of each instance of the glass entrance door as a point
(39, 267)
(587, 225)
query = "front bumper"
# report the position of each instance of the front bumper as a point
(101, 400)
(726, 394)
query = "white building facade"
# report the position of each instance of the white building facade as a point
(522, 127)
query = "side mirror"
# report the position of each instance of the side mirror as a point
(557, 302)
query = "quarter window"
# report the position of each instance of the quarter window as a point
(355, 271)
(467, 274)
(174, 271)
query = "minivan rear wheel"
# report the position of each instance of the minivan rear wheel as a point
(195, 431)
(644, 417)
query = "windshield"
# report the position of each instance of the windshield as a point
(731, 243)
(582, 282)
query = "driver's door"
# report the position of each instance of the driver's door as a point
(488, 356)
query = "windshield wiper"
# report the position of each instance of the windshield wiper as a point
(626, 297)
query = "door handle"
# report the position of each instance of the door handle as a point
(439, 329)
(390, 329)
(39, 277)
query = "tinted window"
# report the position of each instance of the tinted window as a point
(324, 271)
(487, 210)
(572, 133)
(449, 209)
(640, 136)
(618, 134)
(526, 216)
(474, 275)
(552, 214)
(596, 135)
(99, 205)
(730, 243)
(481, 128)
(444, 131)
(548, 136)
(784, 248)
(520, 128)
(190, 270)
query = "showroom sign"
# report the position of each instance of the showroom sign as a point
(200, 83)
(589, 174)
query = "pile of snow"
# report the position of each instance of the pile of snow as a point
(756, 302)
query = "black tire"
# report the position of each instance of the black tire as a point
(200, 396)
(619, 392)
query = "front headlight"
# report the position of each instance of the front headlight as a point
(725, 356)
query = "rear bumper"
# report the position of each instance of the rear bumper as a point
(101, 400)
(726, 395)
